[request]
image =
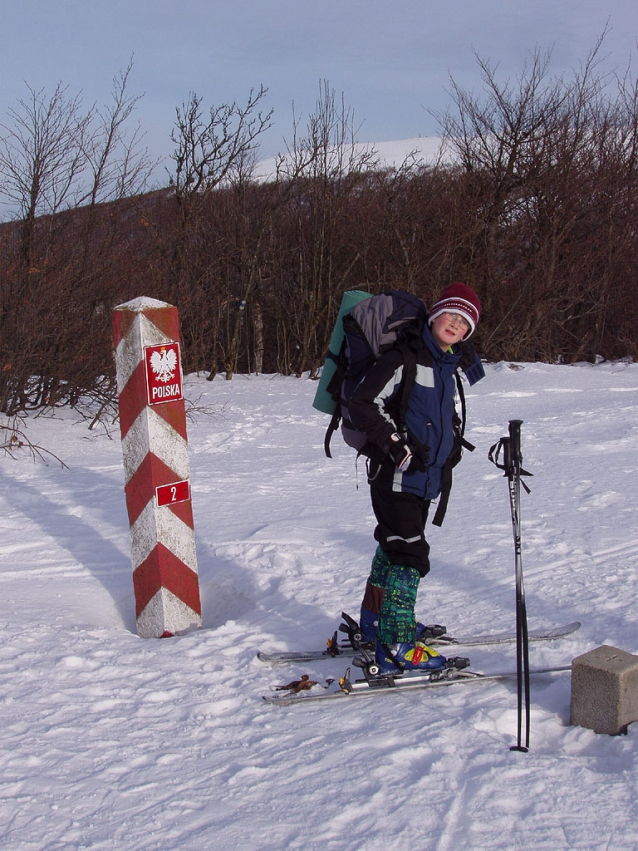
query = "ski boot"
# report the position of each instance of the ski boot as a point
(363, 635)
(360, 637)
(368, 625)
(396, 659)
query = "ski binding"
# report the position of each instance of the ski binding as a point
(435, 635)
(371, 686)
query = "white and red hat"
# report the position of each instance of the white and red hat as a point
(458, 298)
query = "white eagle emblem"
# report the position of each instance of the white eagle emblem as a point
(163, 364)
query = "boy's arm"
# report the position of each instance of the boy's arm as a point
(368, 405)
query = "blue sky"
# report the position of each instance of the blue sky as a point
(392, 59)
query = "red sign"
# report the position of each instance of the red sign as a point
(163, 373)
(169, 494)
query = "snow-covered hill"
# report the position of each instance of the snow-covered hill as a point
(424, 150)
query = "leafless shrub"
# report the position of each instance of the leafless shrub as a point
(14, 442)
(536, 209)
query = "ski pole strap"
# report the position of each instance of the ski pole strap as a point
(511, 468)
(503, 446)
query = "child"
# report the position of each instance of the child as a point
(410, 462)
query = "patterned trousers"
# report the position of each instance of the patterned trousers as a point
(391, 593)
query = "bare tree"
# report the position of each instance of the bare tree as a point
(42, 156)
(212, 150)
(118, 165)
(58, 164)
(535, 152)
(329, 165)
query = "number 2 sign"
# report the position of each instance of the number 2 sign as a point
(169, 494)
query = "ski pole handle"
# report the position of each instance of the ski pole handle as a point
(515, 441)
(506, 445)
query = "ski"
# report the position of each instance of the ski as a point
(336, 648)
(310, 691)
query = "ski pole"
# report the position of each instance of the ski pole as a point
(522, 639)
(512, 465)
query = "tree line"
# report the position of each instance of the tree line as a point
(531, 201)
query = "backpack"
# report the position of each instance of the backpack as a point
(371, 328)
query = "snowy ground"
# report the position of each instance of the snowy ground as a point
(110, 741)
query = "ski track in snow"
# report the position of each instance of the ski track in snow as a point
(114, 742)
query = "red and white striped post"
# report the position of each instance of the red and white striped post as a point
(156, 468)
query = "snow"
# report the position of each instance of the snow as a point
(113, 741)
(136, 305)
(422, 150)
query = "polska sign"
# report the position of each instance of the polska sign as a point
(163, 373)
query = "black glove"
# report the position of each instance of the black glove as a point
(402, 455)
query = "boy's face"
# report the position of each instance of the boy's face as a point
(449, 328)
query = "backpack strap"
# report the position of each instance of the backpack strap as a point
(332, 427)
(444, 496)
(453, 459)
(333, 388)
(408, 378)
(459, 386)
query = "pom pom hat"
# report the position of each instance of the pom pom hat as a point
(458, 298)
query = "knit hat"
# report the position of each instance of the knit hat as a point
(458, 298)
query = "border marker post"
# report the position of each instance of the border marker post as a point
(156, 468)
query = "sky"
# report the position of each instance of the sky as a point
(391, 59)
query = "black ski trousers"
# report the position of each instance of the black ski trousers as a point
(400, 529)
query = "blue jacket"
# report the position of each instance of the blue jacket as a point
(429, 421)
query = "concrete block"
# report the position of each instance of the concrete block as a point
(605, 690)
